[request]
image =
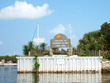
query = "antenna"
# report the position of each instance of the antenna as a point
(34, 33)
(37, 30)
(70, 26)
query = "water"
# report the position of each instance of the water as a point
(8, 74)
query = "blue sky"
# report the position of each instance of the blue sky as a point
(17, 26)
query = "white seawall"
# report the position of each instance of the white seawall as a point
(60, 64)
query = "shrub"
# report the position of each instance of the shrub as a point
(36, 64)
(107, 56)
(83, 54)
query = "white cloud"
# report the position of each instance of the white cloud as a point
(59, 29)
(1, 42)
(24, 10)
(38, 41)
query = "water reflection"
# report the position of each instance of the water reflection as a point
(59, 78)
(8, 74)
(106, 78)
(27, 78)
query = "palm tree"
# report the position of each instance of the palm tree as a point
(25, 50)
(43, 45)
(30, 46)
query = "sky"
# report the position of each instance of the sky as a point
(19, 19)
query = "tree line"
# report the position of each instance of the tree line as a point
(9, 58)
(97, 40)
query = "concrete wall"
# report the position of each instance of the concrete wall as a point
(63, 64)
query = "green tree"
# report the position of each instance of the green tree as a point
(31, 46)
(105, 30)
(43, 45)
(91, 41)
(27, 48)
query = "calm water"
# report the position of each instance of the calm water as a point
(8, 74)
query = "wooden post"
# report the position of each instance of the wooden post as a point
(3, 61)
(70, 49)
(50, 49)
(99, 53)
(29, 53)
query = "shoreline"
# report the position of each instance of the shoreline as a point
(105, 66)
(9, 64)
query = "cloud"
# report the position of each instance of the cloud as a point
(1, 42)
(59, 29)
(24, 10)
(38, 41)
